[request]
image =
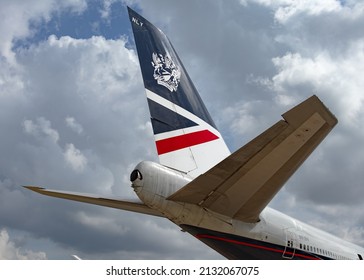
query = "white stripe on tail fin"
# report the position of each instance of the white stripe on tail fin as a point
(185, 134)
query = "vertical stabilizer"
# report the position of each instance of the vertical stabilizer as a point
(185, 134)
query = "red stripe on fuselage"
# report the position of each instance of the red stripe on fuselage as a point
(184, 141)
(202, 236)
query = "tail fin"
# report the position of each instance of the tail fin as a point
(185, 134)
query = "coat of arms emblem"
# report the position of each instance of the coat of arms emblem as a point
(166, 73)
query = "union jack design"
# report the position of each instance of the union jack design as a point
(185, 135)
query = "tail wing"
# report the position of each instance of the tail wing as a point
(112, 202)
(243, 184)
(186, 137)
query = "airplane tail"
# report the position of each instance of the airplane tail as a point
(185, 135)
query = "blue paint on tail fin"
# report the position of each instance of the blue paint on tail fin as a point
(162, 70)
(185, 135)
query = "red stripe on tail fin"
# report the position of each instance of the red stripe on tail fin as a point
(184, 141)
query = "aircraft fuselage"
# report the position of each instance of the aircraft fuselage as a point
(275, 236)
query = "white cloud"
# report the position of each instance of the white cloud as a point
(74, 125)
(293, 8)
(41, 128)
(88, 86)
(9, 250)
(16, 16)
(105, 12)
(333, 78)
(75, 158)
(243, 120)
(285, 10)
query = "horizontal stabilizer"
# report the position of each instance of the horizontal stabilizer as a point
(134, 206)
(244, 183)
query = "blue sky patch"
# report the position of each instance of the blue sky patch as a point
(81, 25)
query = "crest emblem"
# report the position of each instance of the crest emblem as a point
(166, 73)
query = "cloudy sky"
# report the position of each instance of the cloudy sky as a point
(73, 113)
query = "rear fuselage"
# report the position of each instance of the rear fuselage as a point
(275, 236)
